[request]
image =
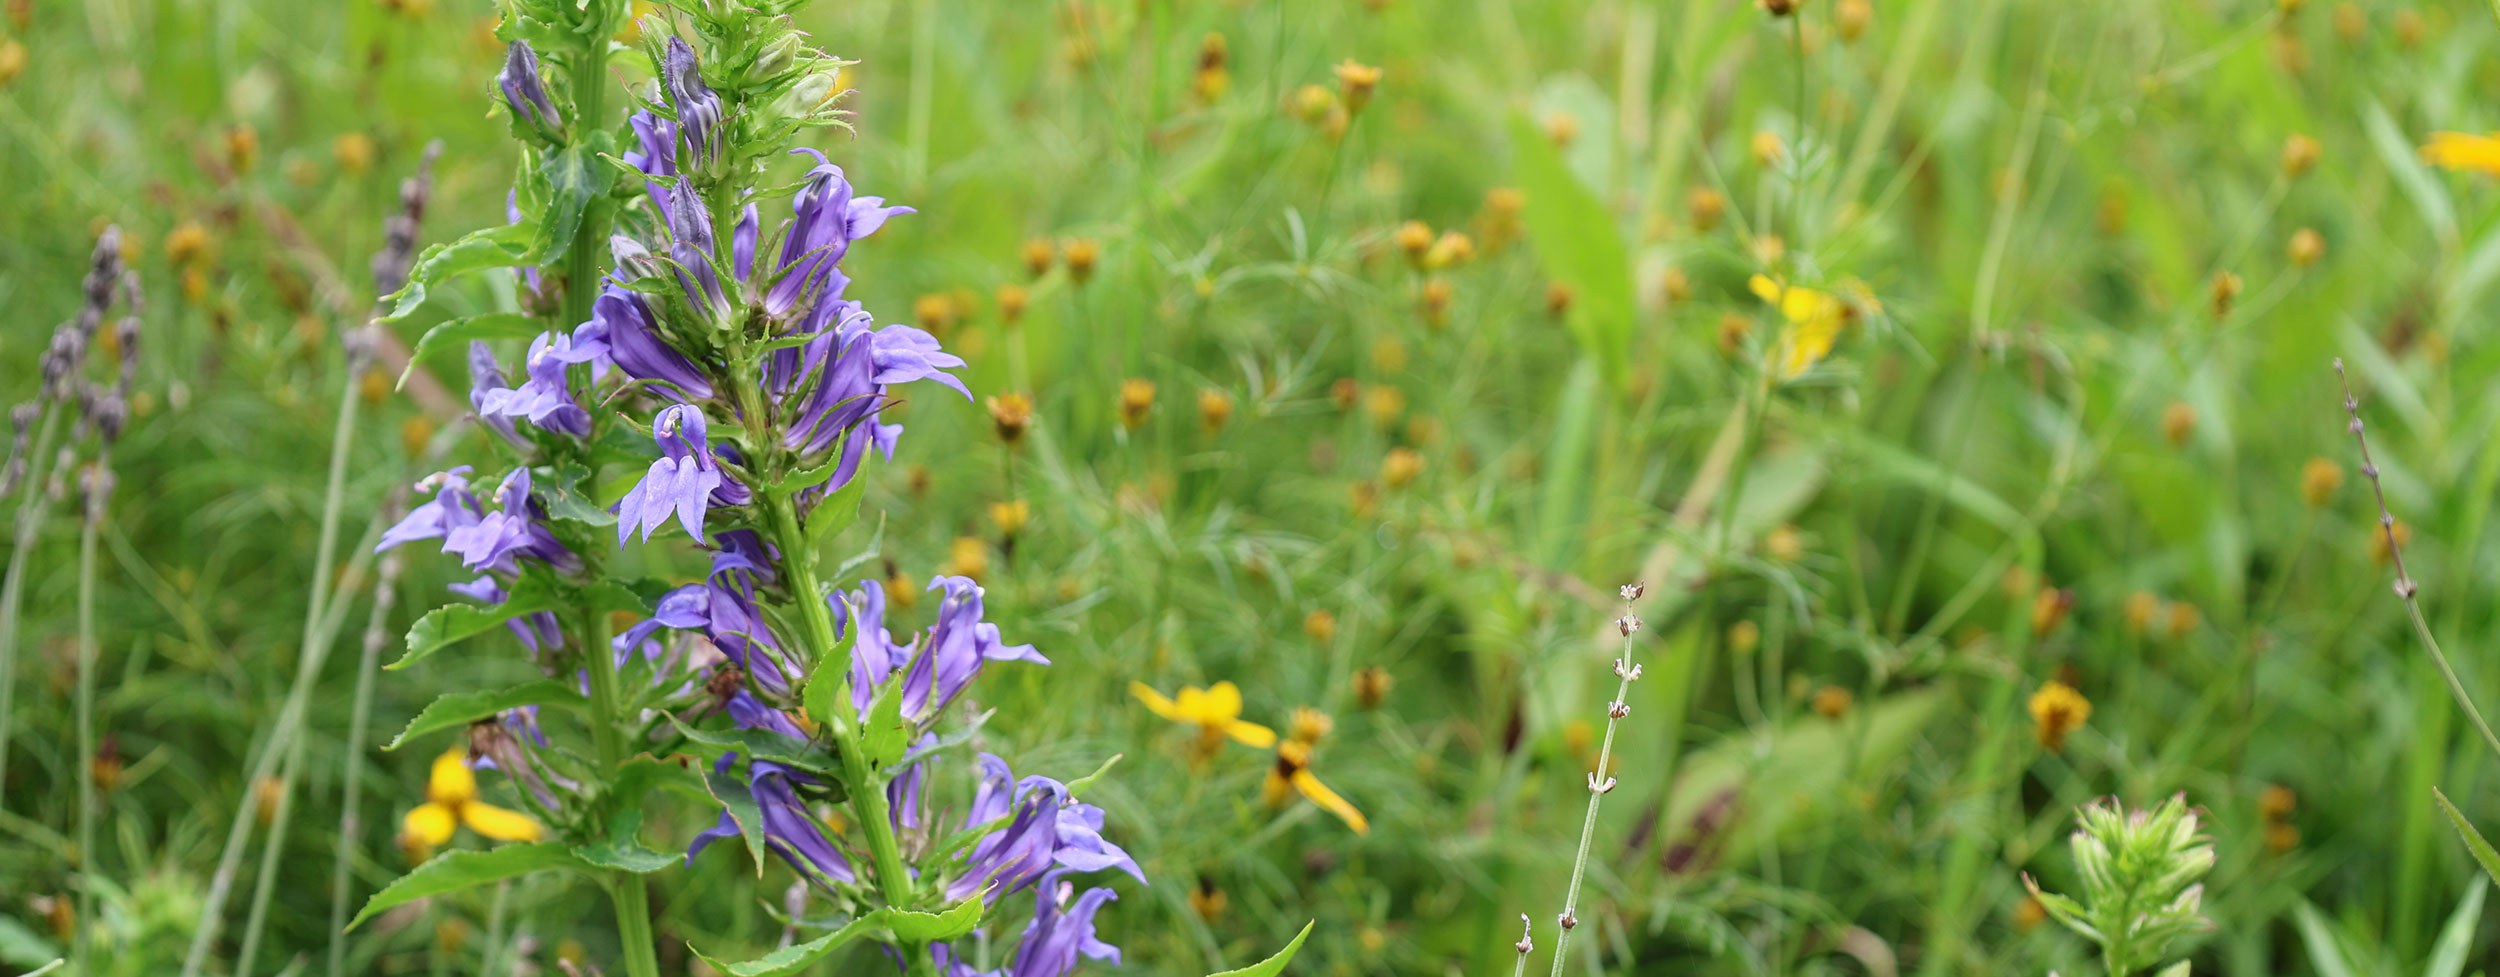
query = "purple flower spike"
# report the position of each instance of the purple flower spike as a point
(698, 109)
(680, 483)
(692, 250)
(522, 90)
(497, 541)
(826, 218)
(655, 154)
(633, 338)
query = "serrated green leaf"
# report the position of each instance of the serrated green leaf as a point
(461, 708)
(1077, 787)
(453, 871)
(458, 333)
(1578, 246)
(623, 849)
(732, 794)
(885, 734)
(501, 246)
(569, 496)
(914, 927)
(1274, 965)
(574, 177)
(759, 744)
(445, 626)
(2483, 853)
(790, 959)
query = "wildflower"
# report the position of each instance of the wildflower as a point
(1385, 404)
(2049, 608)
(2178, 420)
(2139, 610)
(1743, 637)
(623, 319)
(242, 147)
(1137, 399)
(1312, 103)
(968, 557)
(1562, 128)
(1344, 393)
(1012, 300)
(1451, 248)
(1010, 414)
(2306, 247)
(1814, 321)
(1400, 467)
(1355, 83)
(1215, 409)
(1309, 726)
(1557, 299)
(518, 528)
(186, 243)
(2276, 802)
(2226, 288)
(682, 482)
(699, 110)
(2281, 837)
(1832, 701)
(2181, 619)
(1784, 544)
(524, 93)
(1212, 80)
(1320, 625)
(2350, 22)
(451, 800)
(12, 60)
(2140, 890)
(1371, 686)
(1434, 302)
(1292, 775)
(1767, 149)
(1011, 516)
(2320, 479)
(2029, 914)
(546, 398)
(1779, 8)
(1852, 18)
(2056, 710)
(790, 831)
(1206, 900)
(1081, 253)
(2300, 155)
(1215, 710)
(1706, 206)
(1675, 285)
(2408, 28)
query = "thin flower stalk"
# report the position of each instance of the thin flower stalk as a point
(1599, 784)
(102, 411)
(2405, 586)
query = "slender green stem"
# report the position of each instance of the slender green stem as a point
(265, 885)
(351, 787)
(590, 89)
(30, 513)
(86, 722)
(625, 889)
(1599, 783)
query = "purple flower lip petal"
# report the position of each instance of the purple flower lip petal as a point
(679, 484)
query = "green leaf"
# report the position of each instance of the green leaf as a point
(453, 871)
(575, 177)
(1578, 246)
(457, 333)
(1077, 787)
(21, 946)
(502, 246)
(2326, 951)
(837, 512)
(912, 927)
(758, 744)
(450, 624)
(461, 708)
(733, 795)
(623, 848)
(2179, 969)
(885, 735)
(569, 496)
(827, 685)
(790, 959)
(2489, 859)
(1274, 965)
(2456, 938)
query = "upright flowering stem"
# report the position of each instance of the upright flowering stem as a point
(30, 513)
(1599, 783)
(633, 904)
(96, 482)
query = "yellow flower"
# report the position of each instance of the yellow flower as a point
(1309, 726)
(1292, 775)
(2463, 151)
(451, 800)
(1814, 321)
(1215, 710)
(2059, 710)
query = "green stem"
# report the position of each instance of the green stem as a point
(1598, 784)
(86, 728)
(625, 889)
(351, 788)
(30, 513)
(589, 77)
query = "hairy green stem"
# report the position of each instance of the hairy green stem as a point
(30, 513)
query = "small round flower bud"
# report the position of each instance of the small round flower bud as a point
(1320, 625)
(1137, 399)
(2306, 248)
(1628, 625)
(1617, 710)
(2138, 612)
(1215, 409)
(2300, 155)
(1355, 82)
(1766, 147)
(2177, 422)
(1852, 18)
(1567, 920)
(1633, 591)
(1081, 253)
(2226, 288)
(1414, 238)
(1743, 637)
(1526, 943)
(1562, 129)
(1832, 701)
(2320, 479)
(1400, 467)
(1010, 414)
(1707, 206)
(1012, 300)
(1558, 298)
(2049, 608)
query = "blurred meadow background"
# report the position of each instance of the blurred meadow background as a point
(1953, 372)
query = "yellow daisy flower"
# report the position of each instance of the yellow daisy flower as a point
(1814, 321)
(1292, 775)
(2463, 151)
(451, 800)
(1215, 710)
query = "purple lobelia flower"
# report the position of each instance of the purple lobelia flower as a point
(825, 218)
(485, 378)
(1062, 930)
(698, 110)
(496, 541)
(453, 507)
(1047, 830)
(681, 483)
(632, 334)
(655, 154)
(546, 398)
(790, 831)
(691, 248)
(522, 90)
(956, 648)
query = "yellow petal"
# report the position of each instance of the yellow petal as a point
(2463, 151)
(1251, 734)
(1329, 801)
(1223, 702)
(499, 824)
(451, 783)
(429, 822)
(1795, 304)
(1157, 703)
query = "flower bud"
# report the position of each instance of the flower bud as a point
(776, 58)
